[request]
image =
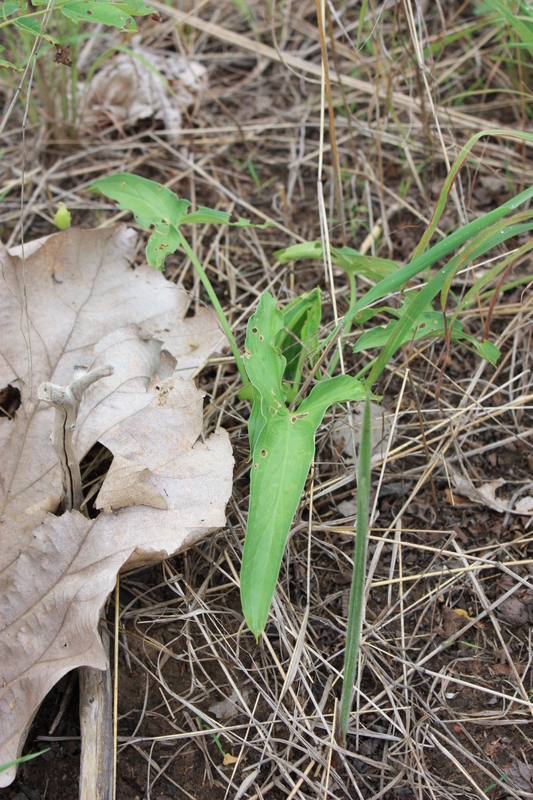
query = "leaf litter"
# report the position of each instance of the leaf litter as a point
(84, 304)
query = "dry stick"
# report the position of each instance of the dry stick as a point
(333, 138)
(96, 703)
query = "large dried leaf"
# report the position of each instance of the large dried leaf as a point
(141, 84)
(84, 304)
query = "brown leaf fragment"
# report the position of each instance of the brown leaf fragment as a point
(453, 621)
(125, 486)
(506, 671)
(62, 55)
(521, 776)
(485, 494)
(513, 611)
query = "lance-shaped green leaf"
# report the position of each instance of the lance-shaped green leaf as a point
(155, 205)
(427, 324)
(282, 444)
(32, 25)
(349, 259)
(119, 15)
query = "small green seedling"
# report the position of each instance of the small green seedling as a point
(279, 342)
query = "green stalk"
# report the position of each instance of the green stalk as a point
(218, 308)
(355, 612)
(348, 328)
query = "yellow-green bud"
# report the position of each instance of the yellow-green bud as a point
(62, 217)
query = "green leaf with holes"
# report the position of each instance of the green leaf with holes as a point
(118, 15)
(9, 7)
(155, 205)
(282, 444)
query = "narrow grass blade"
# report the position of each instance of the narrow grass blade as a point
(22, 759)
(355, 612)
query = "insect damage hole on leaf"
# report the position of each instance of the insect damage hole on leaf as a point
(9, 401)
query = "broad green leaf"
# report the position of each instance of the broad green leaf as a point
(371, 267)
(9, 65)
(28, 25)
(282, 444)
(164, 241)
(9, 7)
(488, 351)
(208, 216)
(298, 251)
(155, 205)
(136, 8)
(150, 202)
(264, 363)
(103, 11)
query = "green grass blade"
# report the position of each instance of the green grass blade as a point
(22, 759)
(490, 238)
(355, 612)
(421, 260)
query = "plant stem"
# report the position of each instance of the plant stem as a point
(218, 308)
(355, 613)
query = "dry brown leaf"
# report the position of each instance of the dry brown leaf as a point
(141, 85)
(485, 494)
(228, 708)
(513, 611)
(521, 776)
(454, 620)
(56, 572)
(125, 486)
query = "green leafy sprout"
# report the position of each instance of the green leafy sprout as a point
(280, 343)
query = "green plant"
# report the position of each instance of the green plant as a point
(282, 446)
(282, 436)
(355, 610)
(154, 205)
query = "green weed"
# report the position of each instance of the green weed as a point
(283, 422)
